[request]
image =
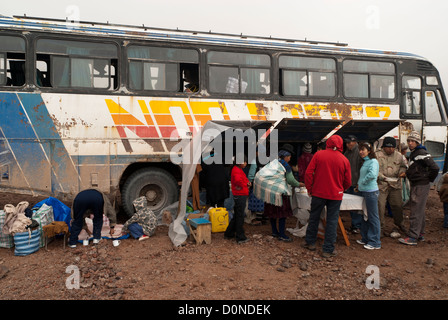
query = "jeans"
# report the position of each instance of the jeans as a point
(136, 230)
(235, 228)
(371, 229)
(317, 205)
(355, 215)
(87, 200)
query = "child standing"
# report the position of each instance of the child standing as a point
(443, 194)
(240, 190)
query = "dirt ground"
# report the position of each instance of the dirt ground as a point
(262, 269)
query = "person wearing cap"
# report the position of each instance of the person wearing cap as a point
(392, 169)
(421, 173)
(278, 214)
(304, 160)
(355, 160)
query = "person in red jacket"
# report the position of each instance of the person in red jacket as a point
(240, 190)
(327, 177)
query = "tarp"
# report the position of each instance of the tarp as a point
(191, 157)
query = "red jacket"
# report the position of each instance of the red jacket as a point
(328, 175)
(239, 182)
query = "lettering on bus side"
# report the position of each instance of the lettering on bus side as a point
(164, 119)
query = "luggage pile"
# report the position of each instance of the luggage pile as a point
(22, 228)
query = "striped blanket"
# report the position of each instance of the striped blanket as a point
(270, 183)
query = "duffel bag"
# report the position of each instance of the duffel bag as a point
(26, 243)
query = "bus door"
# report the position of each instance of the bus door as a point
(424, 110)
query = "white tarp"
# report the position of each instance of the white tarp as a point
(191, 157)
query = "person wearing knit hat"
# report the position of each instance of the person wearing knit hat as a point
(304, 160)
(392, 169)
(421, 173)
(307, 148)
(415, 136)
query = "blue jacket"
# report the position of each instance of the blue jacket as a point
(368, 175)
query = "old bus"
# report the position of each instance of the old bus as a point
(87, 104)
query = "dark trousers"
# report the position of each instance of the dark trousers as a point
(235, 228)
(317, 205)
(87, 200)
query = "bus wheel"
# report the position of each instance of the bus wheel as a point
(159, 187)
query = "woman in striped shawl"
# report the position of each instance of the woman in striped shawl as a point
(280, 210)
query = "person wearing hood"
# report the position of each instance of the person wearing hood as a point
(143, 223)
(368, 187)
(421, 173)
(327, 177)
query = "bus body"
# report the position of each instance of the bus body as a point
(85, 105)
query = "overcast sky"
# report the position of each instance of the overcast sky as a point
(415, 26)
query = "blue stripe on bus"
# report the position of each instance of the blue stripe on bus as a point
(19, 133)
(63, 173)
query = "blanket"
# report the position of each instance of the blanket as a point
(270, 183)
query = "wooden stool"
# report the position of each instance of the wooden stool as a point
(201, 229)
(54, 229)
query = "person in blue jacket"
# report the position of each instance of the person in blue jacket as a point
(368, 187)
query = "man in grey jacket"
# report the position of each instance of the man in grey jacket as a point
(352, 154)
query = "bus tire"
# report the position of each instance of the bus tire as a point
(158, 185)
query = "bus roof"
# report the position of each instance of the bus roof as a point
(176, 35)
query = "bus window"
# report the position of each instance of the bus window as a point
(240, 73)
(369, 79)
(163, 69)
(12, 61)
(411, 86)
(307, 76)
(432, 112)
(436, 149)
(76, 64)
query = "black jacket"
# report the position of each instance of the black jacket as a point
(422, 168)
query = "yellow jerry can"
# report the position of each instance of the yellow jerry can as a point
(219, 217)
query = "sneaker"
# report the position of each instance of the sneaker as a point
(360, 242)
(242, 241)
(328, 254)
(421, 237)
(311, 247)
(284, 239)
(72, 245)
(408, 240)
(143, 237)
(355, 230)
(370, 247)
(96, 241)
